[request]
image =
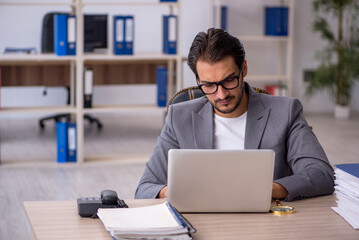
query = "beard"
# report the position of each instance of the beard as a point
(229, 97)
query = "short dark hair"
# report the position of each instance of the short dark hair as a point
(214, 46)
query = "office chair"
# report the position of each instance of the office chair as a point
(191, 93)
(67, 116)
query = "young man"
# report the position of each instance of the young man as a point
(233, 116)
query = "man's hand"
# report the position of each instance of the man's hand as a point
(163, 192)
(278, 191)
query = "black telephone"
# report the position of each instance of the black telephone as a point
(88, 206)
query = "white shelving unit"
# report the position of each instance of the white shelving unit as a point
(285, 43)
(77, 62)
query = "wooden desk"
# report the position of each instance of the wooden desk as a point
(313, 219)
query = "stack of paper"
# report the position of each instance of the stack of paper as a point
(347, 192)
(152, 222)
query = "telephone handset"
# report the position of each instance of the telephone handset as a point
(109, 197)
(88, 206)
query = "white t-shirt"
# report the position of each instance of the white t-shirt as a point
(229, 133)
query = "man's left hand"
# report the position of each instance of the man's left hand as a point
(278, 191)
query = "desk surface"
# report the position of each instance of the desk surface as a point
(314, 219)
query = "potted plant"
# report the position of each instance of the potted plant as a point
(339, 60)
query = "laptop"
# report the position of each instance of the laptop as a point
(212, 180)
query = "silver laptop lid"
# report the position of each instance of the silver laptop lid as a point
(213, 180)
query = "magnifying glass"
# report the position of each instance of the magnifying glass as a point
(281, 210)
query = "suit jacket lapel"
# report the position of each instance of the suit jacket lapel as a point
(203, 127)
(257, 118)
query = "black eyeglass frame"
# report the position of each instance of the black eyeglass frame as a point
(221, 83)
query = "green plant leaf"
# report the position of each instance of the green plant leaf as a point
(321, 25)
(324, 78)
(339, 60)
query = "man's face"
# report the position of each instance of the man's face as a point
(226, 103)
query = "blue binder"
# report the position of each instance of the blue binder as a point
(71, 35)
(170, 34)
(129, 34)
(71, 136)
(276, 21)
(168, 0)
(123, 35)
(119, 35)
(60, 34)
(224, 17)
(61, 136)
(351, 168)
(161, 78)
(64, 34)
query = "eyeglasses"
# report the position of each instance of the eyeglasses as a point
(228, 83)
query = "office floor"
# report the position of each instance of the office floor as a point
(22, 140)
(29, 171)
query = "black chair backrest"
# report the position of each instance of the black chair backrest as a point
(186, 94)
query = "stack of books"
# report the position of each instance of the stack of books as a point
(160, 221)
(347, 193)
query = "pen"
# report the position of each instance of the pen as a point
(188, 224)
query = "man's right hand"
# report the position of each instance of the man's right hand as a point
(163, 192)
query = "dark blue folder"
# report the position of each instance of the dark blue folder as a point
(129, 34)
(123, 35)
(170, 34)
(61, 136)
(161, 77)
(276, 21)
(119, 35)
(224, 17)
(60, 34)
(64, 34)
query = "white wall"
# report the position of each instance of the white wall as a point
(21, 27)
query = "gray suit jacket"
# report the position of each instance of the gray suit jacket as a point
(277, 123)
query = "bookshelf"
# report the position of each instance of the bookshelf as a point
(78, 62)
(284, 56)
